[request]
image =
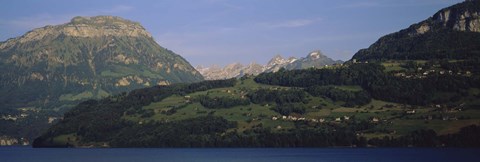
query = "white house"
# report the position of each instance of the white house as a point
(410, 112)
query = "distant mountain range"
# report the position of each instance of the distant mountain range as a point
(235, 70)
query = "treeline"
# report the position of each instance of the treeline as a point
(456, 66)
(281, 96)
(288, 108)
(472, 65)
(221, 102)
(195, 132)
(355, 74)
(210, 131)
(351, 98)
(98, 120)
(466, 137)
(378, 84)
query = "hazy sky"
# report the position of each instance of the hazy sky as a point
(224, 31)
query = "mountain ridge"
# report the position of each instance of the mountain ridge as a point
(83, 27)
(236, 70)
(458, 24)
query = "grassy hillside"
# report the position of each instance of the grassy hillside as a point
(248, 113)
(393, 117)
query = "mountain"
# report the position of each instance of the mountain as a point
(252, 69)
(237, 70)
(314, 59)
(234, 70)
(56, 67)
(451, 33)
(213, 72)
(278, 62)
(89, 56)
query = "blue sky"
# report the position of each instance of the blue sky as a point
(219, 32)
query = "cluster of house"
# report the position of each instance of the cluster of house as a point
(233, 93)
(51, 119)
(13, 117)
(358, 62)
(443, 117)
(25, 111)
(447, 109)
(410, 111)
(187, 99)
(446, 112)
(295, 118)
(447, 117)
(8, 141)
(429, 72)
(321, 120)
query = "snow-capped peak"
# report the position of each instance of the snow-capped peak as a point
(315, 55)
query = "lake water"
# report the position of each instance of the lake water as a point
(8, 154)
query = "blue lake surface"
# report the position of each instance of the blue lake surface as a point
(8, 154)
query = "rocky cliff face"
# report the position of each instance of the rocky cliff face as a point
(84, 27)
(459, 25)
(252, 69)
(315, 59)
(278, 62)
(88, 57)
(461, 17)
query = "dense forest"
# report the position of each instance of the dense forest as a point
(210, 131)
(262, 96)
(376, 83)
(221, 102)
